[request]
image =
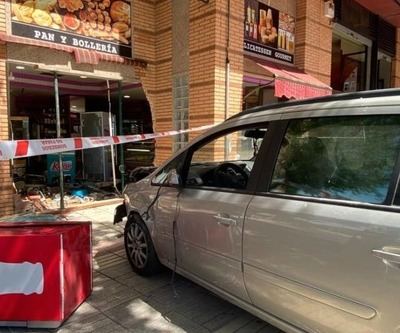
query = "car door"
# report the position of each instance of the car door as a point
(322, 238)
(212, 205)
(165, 201)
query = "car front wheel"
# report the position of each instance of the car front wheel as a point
(139, 248)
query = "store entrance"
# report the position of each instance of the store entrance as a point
(84, 111)
(349, 64)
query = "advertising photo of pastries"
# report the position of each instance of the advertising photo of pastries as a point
(109, 20)
(268, 28)
(286, 32)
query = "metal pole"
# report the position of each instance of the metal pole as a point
(60, 161)
(227, 83)
(110, 123)
(120, 132)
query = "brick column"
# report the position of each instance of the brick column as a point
(207, 50)
(208, 24)
(6, 189)
(313, 40)
(396, 63)
(152, 30)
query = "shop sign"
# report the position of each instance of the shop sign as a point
(268, 32)
(98, 25)
(55, 166)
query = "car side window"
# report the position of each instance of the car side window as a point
(347, 158)
(227, 160)
(176, 164)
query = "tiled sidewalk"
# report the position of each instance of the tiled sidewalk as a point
(122, 301)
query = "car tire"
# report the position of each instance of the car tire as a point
(139, 248)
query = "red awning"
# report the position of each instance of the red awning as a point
(290, 82)
(82, 56)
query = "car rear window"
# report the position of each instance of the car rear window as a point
(346, 158)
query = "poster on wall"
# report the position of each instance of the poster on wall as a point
(268, 32)
(98, 25)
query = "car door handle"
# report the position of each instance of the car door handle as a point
(225, 219)
(388, 256)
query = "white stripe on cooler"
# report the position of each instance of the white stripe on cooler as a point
(21, 278)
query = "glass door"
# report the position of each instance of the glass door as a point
(351, 54)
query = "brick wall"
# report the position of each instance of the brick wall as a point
(313, 40)
(153, 38)
(208, 52)
(6, 190)
(207, 56)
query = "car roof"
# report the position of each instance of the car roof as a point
(379, 97)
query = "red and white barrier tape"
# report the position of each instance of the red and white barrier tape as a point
(27, 148)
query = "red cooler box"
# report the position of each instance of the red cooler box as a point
(45, 272)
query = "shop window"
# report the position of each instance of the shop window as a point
(181, 109)
(252, 96)
(348, 72)
(345, 158)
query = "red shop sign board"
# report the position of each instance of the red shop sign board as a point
(45, 272)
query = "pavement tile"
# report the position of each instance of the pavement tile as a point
(112, 327)
(237, 323)
(209, 308)
(171, 324)
(114, 272)
(185, 323)
(169, 298)
(85, 312)
(269, 329)
(89, 325)
(132, 313)
(221, 319)
(107, 299)
(253, 326)
(145, 286)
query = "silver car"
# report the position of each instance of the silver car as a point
(290, 211)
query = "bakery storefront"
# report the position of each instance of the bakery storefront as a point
(269, 48)
(75, 58)
(363, 48)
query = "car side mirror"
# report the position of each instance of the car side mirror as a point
(173, 178)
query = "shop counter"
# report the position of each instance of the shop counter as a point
(45, 271)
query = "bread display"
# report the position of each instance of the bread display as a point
(268, 32)
(104, 19)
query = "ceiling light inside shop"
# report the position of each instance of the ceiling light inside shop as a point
(127, 96)
(139, 150)
(19, 67)
(73, 106)
(83, 77)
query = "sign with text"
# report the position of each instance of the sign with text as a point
(268, 32)
(97, 25)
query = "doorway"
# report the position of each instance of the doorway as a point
(351, 54)
(33, 116)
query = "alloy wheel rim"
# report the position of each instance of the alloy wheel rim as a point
(137, 245)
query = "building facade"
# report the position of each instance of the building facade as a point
(179, 64)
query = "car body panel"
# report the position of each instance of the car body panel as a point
(210, 225)
(317, 260)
